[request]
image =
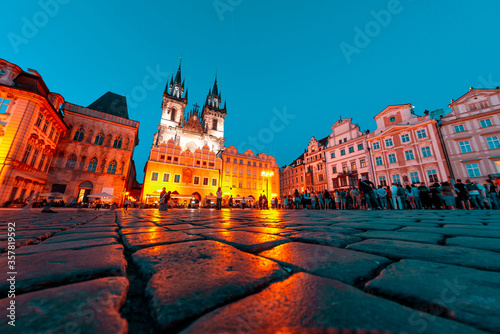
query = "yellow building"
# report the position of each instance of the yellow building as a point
(30, 127)
(250, 176)
(190, 176)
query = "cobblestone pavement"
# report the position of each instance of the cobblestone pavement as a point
(247, 271)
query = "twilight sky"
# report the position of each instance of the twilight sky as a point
(288, 69)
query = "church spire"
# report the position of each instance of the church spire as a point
(176, 86)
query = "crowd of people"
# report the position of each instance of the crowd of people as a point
(418, 196)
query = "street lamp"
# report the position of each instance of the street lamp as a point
(267, 175)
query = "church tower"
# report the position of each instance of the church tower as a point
(174, 102)
(213, 113)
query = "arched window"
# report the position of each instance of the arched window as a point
(214, 124)
(79, 135)
(112, 167)
(92, 165)
(173, 114)
(71, 162)
(118, 142)
(99, 139)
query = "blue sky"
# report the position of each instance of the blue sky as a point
(307, 60)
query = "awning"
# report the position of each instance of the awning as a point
(210, 197)
(182, 196)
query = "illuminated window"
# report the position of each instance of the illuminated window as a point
(205, 181)
(362, 163)
(166, 177)
(177, 178)
(196, 180)
(214, 182)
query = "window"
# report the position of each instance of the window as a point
(376, 145)
(409, 155)
(118, 142)
(205, 181)
(112, 167)
(214, 124)
(414, 177)
(196, 180)
(45, 126)
(382, 181)
(56, 138)
(342, 152)
(396, 179)
(248, 185)
(39, 119)
(360, 147)
(392, 119)
(249, 172)
(340, 141)
(472, 170)
(493, 142)
(173, 114)
(378, 161)
(421, 134)
(71, 162)
(405, 138)
(241, 171)
(432, 176)
(42, 161)
(362, 163)
(260, 164)
(27, 153)
(255, 185)
(162, 157)
(79, 135)
(99, 139)
(392, 158)
(241, 162)
(344, 168)
(472, 107)
(228, 170)
(177, 178)
(240, 184)
(235, 161)
(255, 164)
(459, 128)
(249, 163)
(214, 183)
(51, 132)
(353, 166)
(35, 156)
(483, 104)
(351, 149)
(254, 173)
(334, 169)
(228, 159)
(176, 159)
(166, 177)
(485, 123)
(465, 147)
(4, 104)
(93, 165)
(426, 152)
(388, 142)
(234, 170)
(320, 177)
(47, 165)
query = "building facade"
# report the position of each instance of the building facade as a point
(293, 177)
(347, 156)
(96, 153)
(406, 148)
(315, 165)
(30, 127)
(249, 175)
(184, 157)
(471, 133)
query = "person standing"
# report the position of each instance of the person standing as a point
(416, 196)
(296, 199)
(475, 196)
(396, 200)
(462, 195)
(492, 195)
(219, 199)
(449, 195)
(382, 197)
(243, 202)
(125, 205)
(368, 189)
(328, 199)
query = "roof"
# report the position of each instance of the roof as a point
(390, 108)
(472, 92)
(111, 103)
(323, 141)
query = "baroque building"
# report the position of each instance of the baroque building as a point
(248, 175)
(293, 177)
(347, 155)
(96, 153)
(406, 148)
(471, 132)
(31, 125)
(185, 155)
(315, 167)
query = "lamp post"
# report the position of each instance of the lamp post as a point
(267, 175)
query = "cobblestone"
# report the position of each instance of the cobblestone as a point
(207, 271)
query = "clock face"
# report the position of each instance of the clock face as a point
(2, 72)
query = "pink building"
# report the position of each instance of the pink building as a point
(471, 133)
(315, 167)
(406, 148)
(347, 156)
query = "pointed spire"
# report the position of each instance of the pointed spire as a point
(215, 89)
(186, 96)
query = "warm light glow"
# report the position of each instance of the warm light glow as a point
(267, 174)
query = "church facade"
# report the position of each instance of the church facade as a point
(185, 155)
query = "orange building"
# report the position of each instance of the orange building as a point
(30, 127)
(95, 155)
(250, 176)
(293, 177)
